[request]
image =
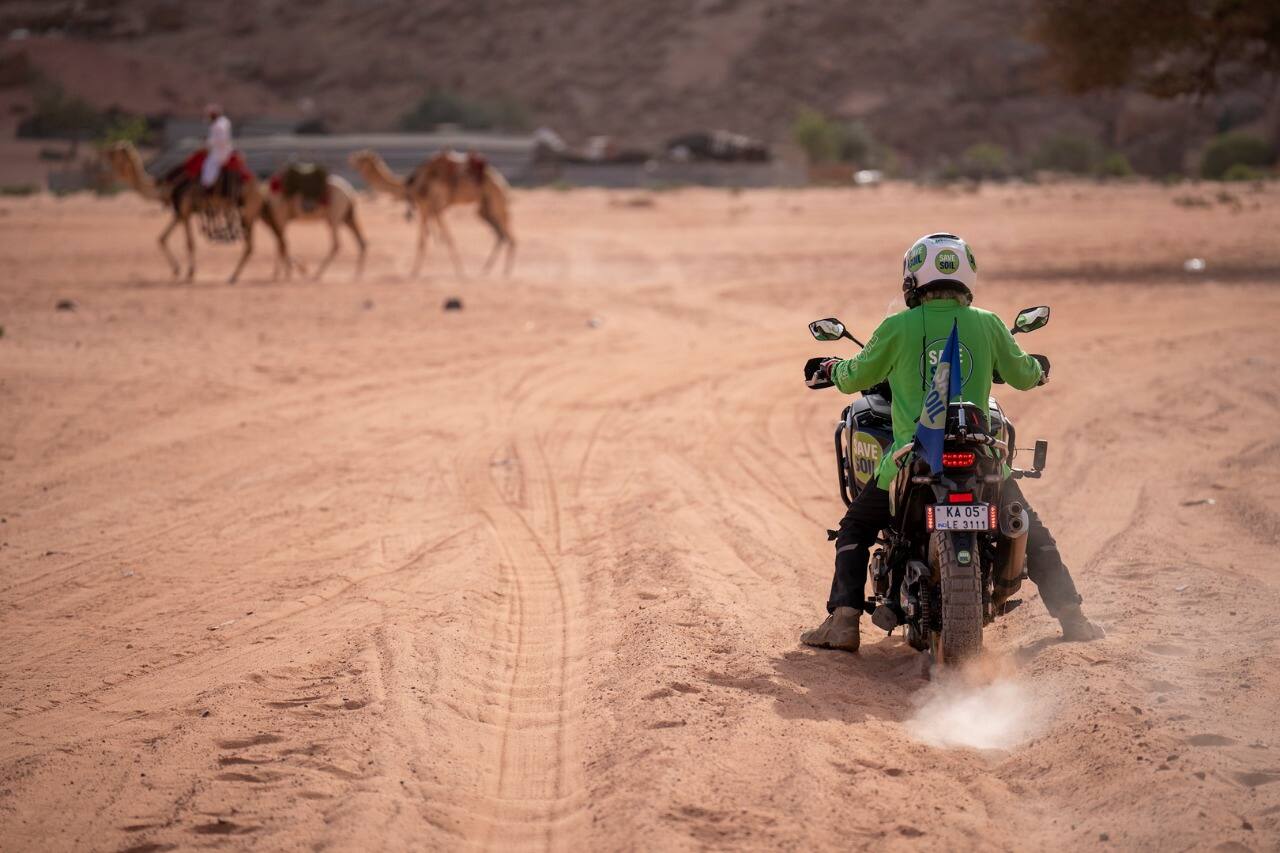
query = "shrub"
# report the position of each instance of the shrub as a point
(439, 108)
(1114, 165)
(125, 128)
(57, 115)
(1241, 172)
(1066, 152)
(985, 161)
(826, 140)
(1235, 149)
(857, 146)
(888, 162)
(821, 138)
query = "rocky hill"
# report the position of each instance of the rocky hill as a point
(928, 78)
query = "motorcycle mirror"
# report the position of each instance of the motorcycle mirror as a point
(1030, 319)
(1040, 455)
(828, 329)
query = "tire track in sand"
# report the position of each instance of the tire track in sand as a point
(534, 797)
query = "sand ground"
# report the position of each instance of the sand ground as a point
(319, 566)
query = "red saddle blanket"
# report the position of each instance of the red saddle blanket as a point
(195, 162)
(476, 164)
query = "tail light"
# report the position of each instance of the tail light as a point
(991, 512)
(958, 459)
(960, 498)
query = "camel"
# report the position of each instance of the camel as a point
(446, 179)
(338, 209)
(185, 197)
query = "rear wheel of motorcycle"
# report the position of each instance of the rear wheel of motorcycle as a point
(961, 636)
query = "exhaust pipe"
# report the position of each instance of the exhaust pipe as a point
(1014, 521)
(1012, 551)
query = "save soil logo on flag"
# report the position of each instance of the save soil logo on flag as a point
(932, 426)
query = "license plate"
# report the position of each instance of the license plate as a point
(961, 516)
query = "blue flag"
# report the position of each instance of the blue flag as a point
(932, 426)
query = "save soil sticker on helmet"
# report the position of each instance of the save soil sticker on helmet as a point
(915, 258)
(866, 456)
(973, 265)
(933, 354)
(947, 262)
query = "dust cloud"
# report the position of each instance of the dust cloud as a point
(985, 706)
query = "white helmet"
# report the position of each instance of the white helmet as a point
(937, 259)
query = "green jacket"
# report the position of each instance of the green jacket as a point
(905, 350)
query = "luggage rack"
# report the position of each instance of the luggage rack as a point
(844, 465)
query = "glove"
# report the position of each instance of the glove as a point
(817, 371)
(1044, 367)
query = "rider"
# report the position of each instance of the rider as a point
(218, 146)
(939, 272)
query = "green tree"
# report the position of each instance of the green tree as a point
(125, 128)
(985, 160)
(1241, 172)
(857, 146)
(1066, 152)
(1235, 149)
(821, 138)
(58, 115)
(1114, 165)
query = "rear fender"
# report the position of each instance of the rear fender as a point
(965, 542)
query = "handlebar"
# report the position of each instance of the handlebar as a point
(882, 388)
(1044, 366)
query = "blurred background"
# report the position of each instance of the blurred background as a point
(619, 92)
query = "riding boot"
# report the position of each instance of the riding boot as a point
(839, 631)
(1076, 628)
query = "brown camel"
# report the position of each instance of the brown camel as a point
(186, 198)
(444, 180)
(337, 209)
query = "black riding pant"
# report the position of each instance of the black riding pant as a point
(869, 514)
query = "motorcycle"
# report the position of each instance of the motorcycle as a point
(955, 552)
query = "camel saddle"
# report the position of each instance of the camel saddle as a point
(307, 182)
(476, 164)
(227, 189)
